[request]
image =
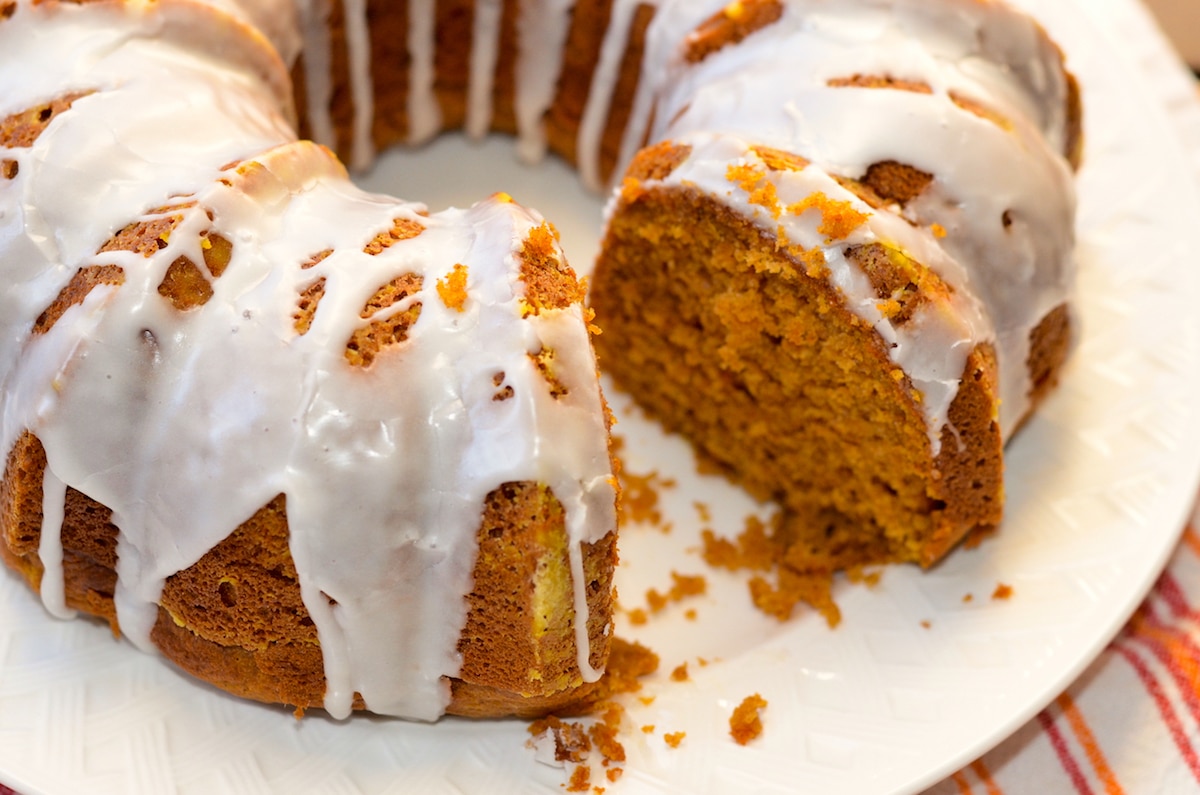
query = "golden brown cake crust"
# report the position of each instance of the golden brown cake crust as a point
(235, 618)
(730, 25)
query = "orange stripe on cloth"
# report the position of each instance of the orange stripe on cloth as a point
(980, 771)
(1191, 539)
(1095, 755)
(985, 775)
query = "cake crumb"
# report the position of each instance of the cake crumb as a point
(970, 597)
(682, 587)
(926, 624)
(628, 662)
(639, 498)
(1003, 591)
(685, 585)
(453, 289)
(754, 548)
(648, 728)
(759, 190)
(690, 614)
(764, 548)
(571, 743)
(655, 600)
(680, 674)
(812, 588)
(604, 736)
(838, 218)
(674, 738)
(581, 779)
(584, 747)
(860, 574)
(745, 723)
(647, 700)
(703, 511)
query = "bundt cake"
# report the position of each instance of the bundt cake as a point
(328, 449)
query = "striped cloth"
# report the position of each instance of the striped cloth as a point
(1130, 723)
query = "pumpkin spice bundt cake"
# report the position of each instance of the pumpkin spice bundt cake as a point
(330, 449)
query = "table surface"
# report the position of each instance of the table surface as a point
(1181, 21)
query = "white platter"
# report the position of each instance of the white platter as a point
(1099, 485)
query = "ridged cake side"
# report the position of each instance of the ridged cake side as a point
(285, 431)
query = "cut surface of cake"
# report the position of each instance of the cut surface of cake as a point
(331, 449)
(859, 251)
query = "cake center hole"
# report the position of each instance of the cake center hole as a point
(454, 171)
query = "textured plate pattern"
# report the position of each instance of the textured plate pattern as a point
(1099, 484)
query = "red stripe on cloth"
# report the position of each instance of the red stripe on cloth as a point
(1170, 719)
(1095, 754)
(1172, 593)
(1064, 753)
(964, 786)
(1174, 649)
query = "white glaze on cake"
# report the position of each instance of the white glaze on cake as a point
(318, 80)
(209, 413)
(362, 89)
(425, 117)
(50, 548)
(600, 92)
(542, 31)
(485, 49)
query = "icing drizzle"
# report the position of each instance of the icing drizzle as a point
(213, 410)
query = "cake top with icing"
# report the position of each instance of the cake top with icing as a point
(382, 367)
